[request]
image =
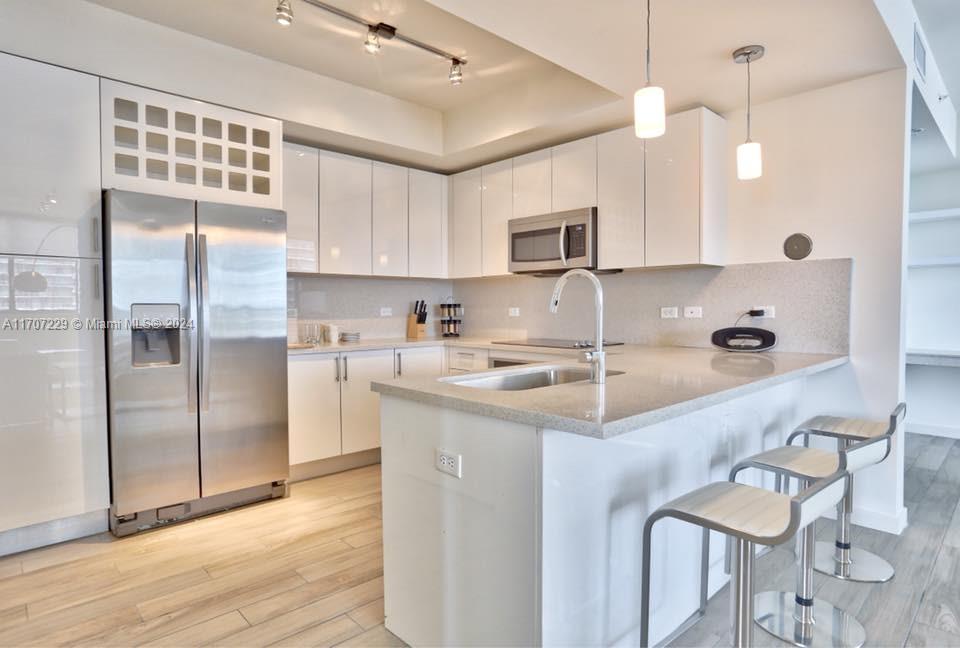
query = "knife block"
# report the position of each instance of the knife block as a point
(415, 331)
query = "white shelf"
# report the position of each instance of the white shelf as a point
(935, 262)
(935, 215)
(934, 357)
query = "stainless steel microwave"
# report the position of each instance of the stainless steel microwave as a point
(553, 243)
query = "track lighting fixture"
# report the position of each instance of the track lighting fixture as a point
(375, 34)
(456, 72)
(284, 13)
(649, 104)
(749, 155)
(372, 42)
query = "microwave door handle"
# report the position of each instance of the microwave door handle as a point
(204, 326)
(563, 240)
(192, 330)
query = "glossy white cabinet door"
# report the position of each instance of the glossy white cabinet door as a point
(466, 225)
(49, 160)
(390, 204)
(360, 407)
(574, 169)
(301, 201)
(313, 400)
(532, 184)
(422, 362)
(428, 242)
(496, 210)
(345, 220)
(620, 199)
(53, 404)
(673, 193)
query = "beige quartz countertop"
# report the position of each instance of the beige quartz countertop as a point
(658, 383)
(403, 343)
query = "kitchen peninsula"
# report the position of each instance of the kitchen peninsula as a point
(526, 505)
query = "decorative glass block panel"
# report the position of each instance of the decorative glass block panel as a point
(173, 146)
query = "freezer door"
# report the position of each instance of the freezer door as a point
(243, 341)
(150, 270)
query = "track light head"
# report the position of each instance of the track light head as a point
(372, 42)
(456, 72)
(284, 13)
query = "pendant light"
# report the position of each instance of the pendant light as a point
(649, 104)
(749, 155)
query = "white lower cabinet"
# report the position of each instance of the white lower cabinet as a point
(419, 362)
(360, 407)
(465, 360)
(313, 402)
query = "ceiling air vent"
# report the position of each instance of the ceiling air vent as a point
(919, 53)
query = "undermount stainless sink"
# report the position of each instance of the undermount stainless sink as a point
(532, 378)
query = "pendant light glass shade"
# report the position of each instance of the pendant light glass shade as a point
(649, 112)
(749, 161)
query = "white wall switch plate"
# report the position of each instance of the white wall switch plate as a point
(513, 311)
(669, 312)
(448, 462)
(769, 312)
(695, 312)
(386, 311)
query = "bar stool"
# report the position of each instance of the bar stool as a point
(749, 516)
(841, 560)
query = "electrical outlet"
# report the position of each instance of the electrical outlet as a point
(769, 312)
(669, 312)
(695, 312)
(513, 311)
(447, 462)
(386, 311)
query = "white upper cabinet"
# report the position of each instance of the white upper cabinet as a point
(301, 201)
(574, 174)
(620, 199)
(532, 184)
(168, 145)
(345, 217)
(49, 160)
(313, 404)
(466, 225)
(686, 191)
(496, 210)
(428, 242)
(390, 204)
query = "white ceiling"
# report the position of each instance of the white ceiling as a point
(545, 71)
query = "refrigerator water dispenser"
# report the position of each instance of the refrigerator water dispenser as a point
(155, 334)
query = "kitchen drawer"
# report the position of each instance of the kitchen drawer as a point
(466, 359)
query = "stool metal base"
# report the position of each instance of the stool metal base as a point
(864, 567)
(774, 612)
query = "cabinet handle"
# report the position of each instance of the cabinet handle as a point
(399, 365)
(336, 368)
(345, 377)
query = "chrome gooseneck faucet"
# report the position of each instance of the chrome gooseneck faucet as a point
(597, 357)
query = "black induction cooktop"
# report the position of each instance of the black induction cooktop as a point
(555, 343)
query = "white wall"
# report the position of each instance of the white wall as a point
(835, 167)
(112, 44)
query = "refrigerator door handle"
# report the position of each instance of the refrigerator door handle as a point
(192, 330)
(204, 326)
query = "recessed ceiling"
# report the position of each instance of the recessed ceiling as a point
(333, 46)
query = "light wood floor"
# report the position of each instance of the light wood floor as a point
(308, 570)
(921, 605)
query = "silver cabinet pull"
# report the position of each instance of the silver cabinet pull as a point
(336, 368)
(399, 365)
(204, 326)
(345, 377)
(192, 331)
(563, 239)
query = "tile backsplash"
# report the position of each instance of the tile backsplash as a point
(354, 303)
(812, 301)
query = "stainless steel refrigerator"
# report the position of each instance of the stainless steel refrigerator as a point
(197, 356)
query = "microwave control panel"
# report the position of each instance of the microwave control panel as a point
(577, 240)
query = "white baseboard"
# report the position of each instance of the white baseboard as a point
(48, 533)
(880, 521)
(948, 431)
